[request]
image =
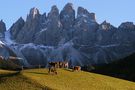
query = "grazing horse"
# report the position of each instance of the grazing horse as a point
(66, 65)
(52, 67)
(76, 68)
(63, 64)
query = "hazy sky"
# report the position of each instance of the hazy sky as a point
(114, 11)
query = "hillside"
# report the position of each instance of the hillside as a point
(11, 80)
(123, 68)
(38, 79)
(9, 65)
(5, 72)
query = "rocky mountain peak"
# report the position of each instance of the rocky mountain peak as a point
(105, 22)
(81, 12)
(29, 28)
(105, 26)
(67, 16)
(20, 19)
(54, 12)
(68, 7)
(81, 40)
(127, 26)
(16, 27)
(2, 28)
(34, 12)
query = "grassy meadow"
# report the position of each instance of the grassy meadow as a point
(39, 79)
(6, 72)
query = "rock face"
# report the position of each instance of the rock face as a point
(84, 13)
(16, 27)
(105, 34)
(5, 51)
(59, 36)
(127, 26)
(2, 28)
(67, 16)
(85, 27)
(34, 56)
(51, 33)
(32, 25)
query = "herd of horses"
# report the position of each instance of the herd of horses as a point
(54, 65)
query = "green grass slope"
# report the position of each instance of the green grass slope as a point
(10, 80)
(6, 72)
(39, 79)
(18, 83)
(68, 80)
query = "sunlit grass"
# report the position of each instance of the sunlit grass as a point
(16, 82)
(6, 72)
(39, 79)
(67, 80)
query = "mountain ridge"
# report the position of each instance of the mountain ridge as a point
(60, 35)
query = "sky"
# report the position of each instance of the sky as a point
(113, 11)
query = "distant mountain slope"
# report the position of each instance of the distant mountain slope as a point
(9, 65)
(123, 68)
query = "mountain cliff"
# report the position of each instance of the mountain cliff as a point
(60, 35)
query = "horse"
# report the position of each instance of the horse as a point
(76, 68)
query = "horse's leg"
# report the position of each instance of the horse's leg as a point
(49, 70)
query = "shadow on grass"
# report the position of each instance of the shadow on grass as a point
(38, 73)
(10, 75)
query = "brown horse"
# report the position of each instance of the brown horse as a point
(76, 68)
(52, 67)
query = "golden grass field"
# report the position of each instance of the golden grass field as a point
(6, 72)
(39, 79)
